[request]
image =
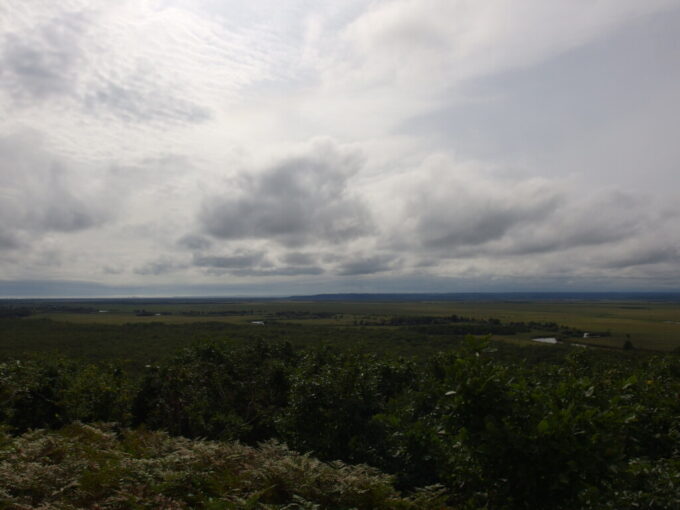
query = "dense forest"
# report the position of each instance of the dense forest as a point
(270, 423)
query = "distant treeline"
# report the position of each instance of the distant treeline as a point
(672, 297)
(15, 311)
(457, 325)
(25, 311)
(194, 313)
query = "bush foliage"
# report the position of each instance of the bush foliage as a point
(84, 466)
(592, 431)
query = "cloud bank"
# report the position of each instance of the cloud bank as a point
(341, 146)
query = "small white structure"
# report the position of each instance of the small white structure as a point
(257, 323)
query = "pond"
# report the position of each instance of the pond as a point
(545, 340)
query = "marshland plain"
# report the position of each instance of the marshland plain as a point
(142, 330)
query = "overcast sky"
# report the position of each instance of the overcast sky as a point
(185, 147)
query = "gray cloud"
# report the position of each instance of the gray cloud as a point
(367, 265)
(255, 264)
(43, 63)
(451, 212)
(280, 271)
(483, 145)
(129, 103)
(454, 213)
(112, 269)
(41, 193)
(484, 222)
(606, 218)
(553, 114)
(194, 242)
(643, 256)
(65, 211)
(49, 257)
(298, 259)
(301, 199)
(57, 59)
(8, 239)
(159, 267)
(237, 261)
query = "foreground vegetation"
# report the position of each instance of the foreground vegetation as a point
(83, 466)
(588, 432)
(482, 423)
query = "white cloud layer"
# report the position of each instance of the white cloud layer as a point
(396, 145)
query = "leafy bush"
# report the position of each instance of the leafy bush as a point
(50, 394)
(216, 392)
(333, 399)
(497, 432)
(85, 466)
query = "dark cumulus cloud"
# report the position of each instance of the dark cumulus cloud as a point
(40, 193)
(281, 271)
(450, 213)
(43, 63)
(194, 242)
(158, 267)
(298, 259)
(603, 219)
(367, 265)
(8, 239)
(255, 264)
(657, 253)
(244, 260)
(486, 223)
(298, 200)
(64, 211)
(461, 215)
(574, 223)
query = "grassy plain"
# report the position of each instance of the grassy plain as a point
(648, 325)
(143, 331)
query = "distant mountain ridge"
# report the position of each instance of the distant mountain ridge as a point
(495, 296)
(516, 297)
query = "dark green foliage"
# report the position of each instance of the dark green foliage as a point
(98, 467)
(589, 429)
(333, 399)
(49, 394)
(217, 392)
(31, 393)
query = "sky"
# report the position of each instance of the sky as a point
(220, 147)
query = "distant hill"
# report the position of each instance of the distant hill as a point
(496, 296)
(516, 297)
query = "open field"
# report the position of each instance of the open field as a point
(648, 325)
(143, 330)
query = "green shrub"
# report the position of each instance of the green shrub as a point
(93, 467)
